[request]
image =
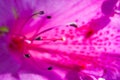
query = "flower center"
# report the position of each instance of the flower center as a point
(18, 43)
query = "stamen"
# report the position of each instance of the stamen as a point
(41, 12)
(54, 39)
(73, 25)
(38, 38)
(28, 41)
(49, 17)
(27, 55)
(50, 68)
(46, 30)
(38, 13)
(34, 37)
(63, 38)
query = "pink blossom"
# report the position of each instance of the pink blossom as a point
(59, 40)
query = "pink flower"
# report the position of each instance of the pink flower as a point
(59, 40)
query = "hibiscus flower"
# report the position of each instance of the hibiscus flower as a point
(59, 40)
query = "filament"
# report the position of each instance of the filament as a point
(40, 13)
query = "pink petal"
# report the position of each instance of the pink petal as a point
(80, 51)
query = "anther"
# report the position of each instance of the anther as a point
(38, 38)
(50, 68)
(63, 38)
(48, 17)
(27, 55)
(73, 25)
(41, 12)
